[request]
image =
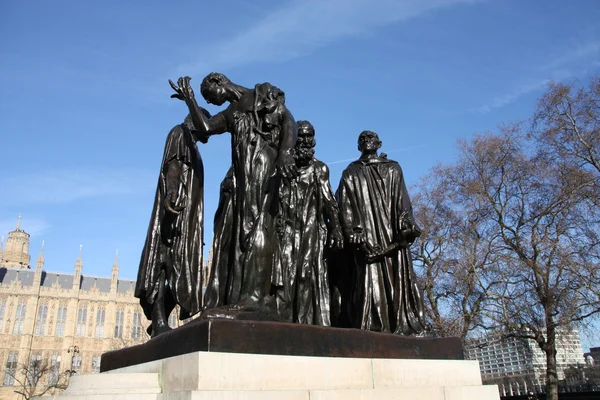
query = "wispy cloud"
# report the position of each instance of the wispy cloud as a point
(578, 52)
(302, 26)
(511, 97)
(571, 63)
(63, 186)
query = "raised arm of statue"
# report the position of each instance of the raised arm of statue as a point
(204, 125)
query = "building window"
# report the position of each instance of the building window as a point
(61, 319)
(100, 322)
(20, 317)
(81, 320)
(40, 324)
(119, 324)
(54, 369)
(96, 364)
(136, 332)
(76, 364)
(11, 369)
(34, 369)
(2, 311)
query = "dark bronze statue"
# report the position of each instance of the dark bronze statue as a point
(171, 263)
(376, 217)
(263, 134)
(308, 224)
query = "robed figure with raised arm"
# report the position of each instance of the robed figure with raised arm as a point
(376, 217)
(263, 134)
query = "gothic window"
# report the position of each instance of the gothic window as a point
(11, 369)
(61, 319)
(96, 364)
(100, 314)
(81, 319)
(120, 317)
(76, 364)
(54, 369)
(20, 317)
(2, 311)
(136, 332)
(40, 323)
(33, 375)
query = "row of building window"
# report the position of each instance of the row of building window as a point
(42, 315)
(34, 370)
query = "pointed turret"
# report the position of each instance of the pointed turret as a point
(78, 267)
(39, 264)
(115, 273)
(40, 260)
(18, 228)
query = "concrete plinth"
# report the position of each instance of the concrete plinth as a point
(222, 376)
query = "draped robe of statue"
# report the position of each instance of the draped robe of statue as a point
(255, 139)
(174, 241)
(223, 221)
(372, 196)
(300, 272)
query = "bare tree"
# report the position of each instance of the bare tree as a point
(567, 124)
(38, 378)
(454, 254)
(542, 269)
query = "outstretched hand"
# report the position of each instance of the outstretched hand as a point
(183, 89)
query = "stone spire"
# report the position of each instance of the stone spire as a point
(39, 264)
(40, 260)
(115, 273)
(78, 267)
(16, 251)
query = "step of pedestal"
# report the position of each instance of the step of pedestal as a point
(114, 384)
(205, 371)
(432, 393)
(127, 396)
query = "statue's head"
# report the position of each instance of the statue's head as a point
(368, 142)
(304, 150)
(213, 88)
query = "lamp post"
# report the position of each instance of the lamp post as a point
(74, 350)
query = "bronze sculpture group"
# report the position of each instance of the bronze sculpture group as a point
(285, 247)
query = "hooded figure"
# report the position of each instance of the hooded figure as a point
(170, 270)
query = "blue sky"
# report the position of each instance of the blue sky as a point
(85, 101)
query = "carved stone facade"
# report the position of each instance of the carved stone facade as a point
(45, 315)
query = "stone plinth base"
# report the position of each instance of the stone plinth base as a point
(277, 338)
(225, 376)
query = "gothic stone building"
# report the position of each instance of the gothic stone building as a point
(65, 320)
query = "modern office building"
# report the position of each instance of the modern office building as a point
(517, 365)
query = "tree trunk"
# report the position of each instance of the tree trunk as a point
(551, 372)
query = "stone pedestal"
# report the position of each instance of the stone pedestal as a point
(277, 338)
(229, 359)
(225, 376)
